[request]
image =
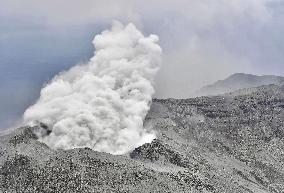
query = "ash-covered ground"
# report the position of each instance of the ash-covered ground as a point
(227, 143)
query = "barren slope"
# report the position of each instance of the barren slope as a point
(229, 143)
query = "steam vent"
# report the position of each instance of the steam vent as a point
(226, 143)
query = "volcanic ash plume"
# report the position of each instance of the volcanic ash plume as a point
(102, 104)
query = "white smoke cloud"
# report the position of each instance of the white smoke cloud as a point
(102, 104)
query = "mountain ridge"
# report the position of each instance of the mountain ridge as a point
(239, 81)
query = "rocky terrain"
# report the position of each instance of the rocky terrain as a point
(239, 81)
(227, 143)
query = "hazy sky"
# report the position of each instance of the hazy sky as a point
(202, 41)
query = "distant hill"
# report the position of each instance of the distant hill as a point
(239, 81)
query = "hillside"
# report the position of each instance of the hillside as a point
(229, 143)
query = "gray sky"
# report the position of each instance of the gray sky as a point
(202, 40)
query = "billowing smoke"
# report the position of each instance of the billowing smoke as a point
(102, 104)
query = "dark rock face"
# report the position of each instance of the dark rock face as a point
(157, 151)
(229, 143)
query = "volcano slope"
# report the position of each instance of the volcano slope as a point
(228, 143)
